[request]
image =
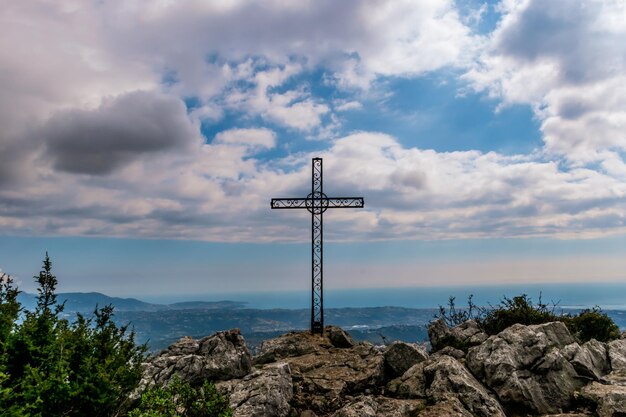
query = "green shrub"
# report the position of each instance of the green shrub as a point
(519, 309)
(592, 324)
(584, 326)
(179, 399)
(453, 316)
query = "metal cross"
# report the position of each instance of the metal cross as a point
(317, 203)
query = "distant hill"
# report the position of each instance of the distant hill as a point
(86, 302)
(162, 324)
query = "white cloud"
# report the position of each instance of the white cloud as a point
(263, 138)
(568, 61)
(220, 192)
(69, 56)
(344, 105)
(62, 60)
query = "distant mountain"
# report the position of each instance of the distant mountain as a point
(376, 324)
(206, 305)
(86, 302)
(162, 324)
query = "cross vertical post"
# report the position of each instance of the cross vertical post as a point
(317, 248)
(317, 203)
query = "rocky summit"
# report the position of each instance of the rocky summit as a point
(537, 370)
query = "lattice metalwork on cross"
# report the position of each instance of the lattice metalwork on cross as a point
(317, 203)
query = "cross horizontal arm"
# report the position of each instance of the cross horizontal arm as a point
(344, 202)
(288, 203)
(326, 202)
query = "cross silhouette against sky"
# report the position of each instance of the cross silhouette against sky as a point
(317, 203)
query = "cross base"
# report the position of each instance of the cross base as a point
(317, 327)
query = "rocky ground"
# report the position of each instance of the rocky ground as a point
(536, 370)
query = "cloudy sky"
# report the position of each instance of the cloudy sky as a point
(142, 141)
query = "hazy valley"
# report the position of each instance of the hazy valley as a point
(162, 324)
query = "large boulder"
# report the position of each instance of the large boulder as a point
(323, 379)
(400, 356)
(447, 378)
(438, 332)
(412, 384)
(222, 356)
(590, 360)
(338, 337)
(617, 354)
(264, 392)
(463, 336)
(291, 344)
(324, 375)
(525, 367)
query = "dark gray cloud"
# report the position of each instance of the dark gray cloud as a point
(99, 141)
(573, 33)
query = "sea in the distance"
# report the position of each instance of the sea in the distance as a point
(608, 296)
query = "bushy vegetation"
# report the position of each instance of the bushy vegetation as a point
(51, 366)
(592, 324)
(179, 399)
(584, 326)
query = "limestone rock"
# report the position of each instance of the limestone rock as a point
(617, 354)
(464, 335)
(400, 356)
(221, 356)
(590, 360)
(617, 377)
(364, 406)
(609, 399)
(450, 351)
(368, 406)
(390, 407)
(412, 384)
(448, 377)
(291, 345)
(264, 392)
(451, 407)
(324, 378)
(526, 369)
(438, 331)
(338, 337)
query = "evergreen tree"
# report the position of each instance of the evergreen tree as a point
(52, 367)
(9, 310)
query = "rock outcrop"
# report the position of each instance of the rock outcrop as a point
(324, 378)
(446, 377)
(378, 406)
(590, 360)
(400, 356)
(222, 356)
(610, 400)
(411, 384)
(537, 370)
(525, 367)
(617, 354)
(264, 392)
(463, 336)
